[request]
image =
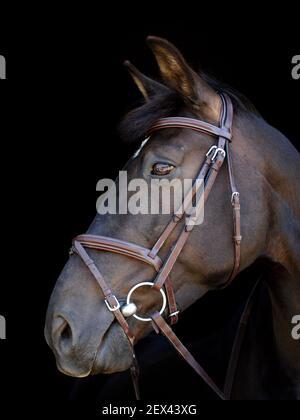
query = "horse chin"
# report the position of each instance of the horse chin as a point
(74, 373)
(114, 354)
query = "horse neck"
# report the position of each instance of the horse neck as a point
(280, 163)
(272, 155)
(281, 172)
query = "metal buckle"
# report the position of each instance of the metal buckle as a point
(173, 314)
(219, 150)
(146, 283)
(235, 194)
(210, 150)
(115, 307)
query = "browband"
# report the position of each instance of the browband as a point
(193, 124)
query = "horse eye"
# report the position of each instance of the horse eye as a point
(162, 169)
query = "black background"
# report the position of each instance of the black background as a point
(65, 93)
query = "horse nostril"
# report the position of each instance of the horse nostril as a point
(66, 333)
(62, 334)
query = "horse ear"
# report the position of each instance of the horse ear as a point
(179, 76)
(148, 87)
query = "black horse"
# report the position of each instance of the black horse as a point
(266, 166)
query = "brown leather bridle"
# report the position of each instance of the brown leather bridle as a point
(208, 172)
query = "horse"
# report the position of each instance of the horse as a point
(89, 335)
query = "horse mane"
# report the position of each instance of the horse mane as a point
(135, 125)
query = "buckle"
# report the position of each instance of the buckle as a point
(211, 150)
(234, 195)
(174, 313)
(114, 307)
(218, 150)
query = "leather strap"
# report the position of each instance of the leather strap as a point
(191, 123)
(235, 201)
(172, 305)
(128, 249)
(237, 345)
(161, 326)
(180, 212)
(108, 294)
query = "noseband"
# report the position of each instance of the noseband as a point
(208, 172)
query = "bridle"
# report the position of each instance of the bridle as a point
(208, 172)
